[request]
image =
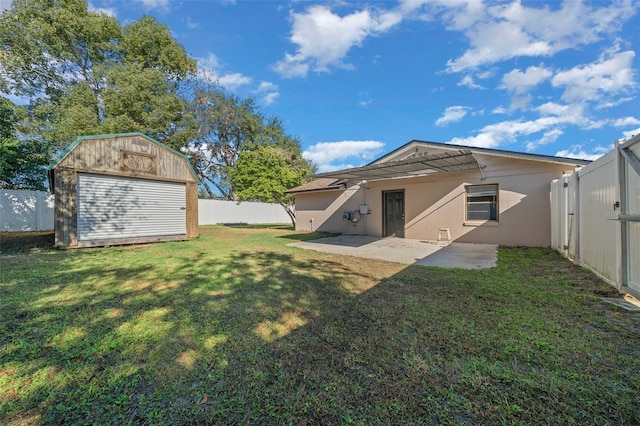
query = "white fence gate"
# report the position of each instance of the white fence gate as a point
(595, 214)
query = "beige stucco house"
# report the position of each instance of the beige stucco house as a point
(480, 195)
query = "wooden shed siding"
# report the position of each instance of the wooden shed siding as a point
(193, 230)
(65, 208)
(104, 155)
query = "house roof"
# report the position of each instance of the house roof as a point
(422, 165)
(488, 151)
(322, 184)
(456, 158)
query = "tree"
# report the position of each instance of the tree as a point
(224, 126)
(265, 172)
(85, 74)
(22, 161)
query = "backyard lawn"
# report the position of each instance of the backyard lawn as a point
(238, 328)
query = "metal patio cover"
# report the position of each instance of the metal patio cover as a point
(459, 160)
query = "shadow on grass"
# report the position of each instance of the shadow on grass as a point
(307, 236)
(24, 242)
(171, 334)
(259, 226)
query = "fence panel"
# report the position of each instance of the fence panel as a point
(604, 202)
(26, 210)
(212, 212)
(33, 211)
(599, 232)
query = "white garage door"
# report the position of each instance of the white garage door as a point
(112, 207)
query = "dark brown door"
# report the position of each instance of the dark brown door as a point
(393, 213)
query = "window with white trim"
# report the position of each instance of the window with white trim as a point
(482, 202)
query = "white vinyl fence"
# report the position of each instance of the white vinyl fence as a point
(33, 211)
(212, 212)
(595, 216)
(26, 210)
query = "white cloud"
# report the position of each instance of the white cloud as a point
(627, 121)
(161, 5)
(505, 31)
(452, 115)
(211, 68)
(611, 75)
(234, 80)
(267, 92)
(467, 80)
(576, 151)
(324, 38)
(521, 82)
(190, 23)
(547, 138)
(553, 118)
(109, 11)
(335, 155)
(269, 98)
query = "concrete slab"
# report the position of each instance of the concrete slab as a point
(401, 250)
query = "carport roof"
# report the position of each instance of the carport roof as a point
(454, 161)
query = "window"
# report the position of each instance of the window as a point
(482, 202)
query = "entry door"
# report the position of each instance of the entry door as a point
(393, 213)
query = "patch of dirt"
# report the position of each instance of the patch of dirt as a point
(24, 242)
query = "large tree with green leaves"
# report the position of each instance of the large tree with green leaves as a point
(225, 127)
(266, 171)
(83, 73)
(22, 160)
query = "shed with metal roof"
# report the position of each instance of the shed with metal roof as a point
(122, 189)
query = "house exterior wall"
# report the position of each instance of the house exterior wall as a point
(323, 210)
(129, 155)
(439, 201)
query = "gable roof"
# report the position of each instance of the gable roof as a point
(79, 139)
(416, 166)
(455, 158)
(487, 151)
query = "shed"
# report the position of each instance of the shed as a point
(122, 189)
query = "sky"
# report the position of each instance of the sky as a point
(356, 80)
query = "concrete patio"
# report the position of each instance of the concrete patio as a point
(400, 250)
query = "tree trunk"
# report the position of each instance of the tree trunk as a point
(291, 213)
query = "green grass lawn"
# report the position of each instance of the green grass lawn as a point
(238, 328)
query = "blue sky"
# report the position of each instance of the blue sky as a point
(355, 80)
